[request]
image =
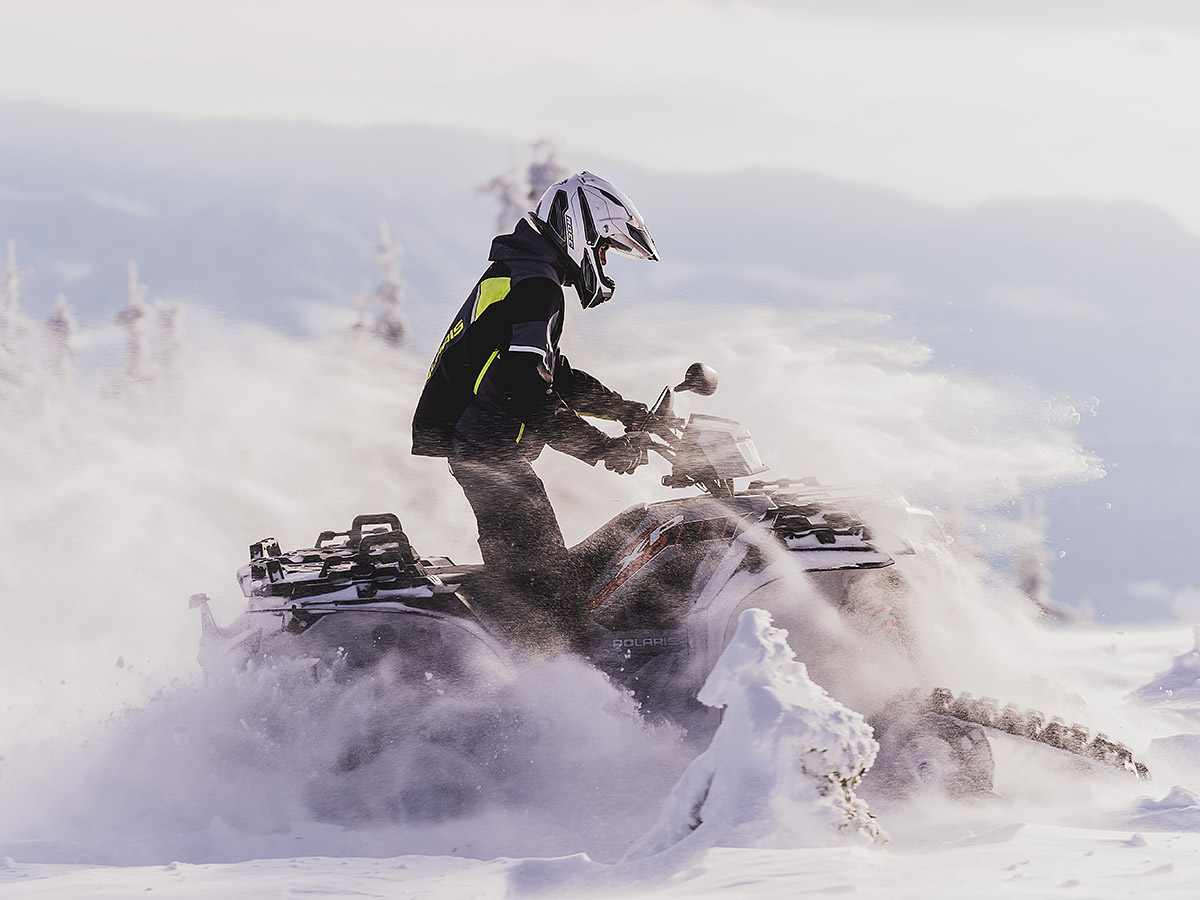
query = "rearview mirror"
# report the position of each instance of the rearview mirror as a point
(700, 379)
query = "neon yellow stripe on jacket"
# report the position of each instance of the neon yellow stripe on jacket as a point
(491, 290)
(487, 365)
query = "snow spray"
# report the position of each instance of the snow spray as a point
(122, 501)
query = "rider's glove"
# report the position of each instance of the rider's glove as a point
(625, 453)
(632, 413)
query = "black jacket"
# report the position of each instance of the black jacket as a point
(498, 381)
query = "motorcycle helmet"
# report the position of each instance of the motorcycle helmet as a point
(585, 217)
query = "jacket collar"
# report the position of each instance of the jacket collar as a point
(527, 253)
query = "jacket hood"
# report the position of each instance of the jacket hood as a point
(527, 253)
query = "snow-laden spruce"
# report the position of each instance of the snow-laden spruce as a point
(782, 767)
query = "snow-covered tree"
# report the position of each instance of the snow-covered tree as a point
(1030, 563)
(14, 328)
(133, 318)
(519, 189)
(544, 169)
(59, 331)
(169, 338)
(379, 311)
(153, 334)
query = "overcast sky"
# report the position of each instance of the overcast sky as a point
(948, 100)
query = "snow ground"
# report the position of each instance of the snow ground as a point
(1097, 846)
(1019, 860)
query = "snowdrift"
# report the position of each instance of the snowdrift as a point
(782, 767)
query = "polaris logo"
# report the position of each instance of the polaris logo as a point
(633, 643)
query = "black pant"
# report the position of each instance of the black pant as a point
(528, 573)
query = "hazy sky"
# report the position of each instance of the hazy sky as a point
(948, 100)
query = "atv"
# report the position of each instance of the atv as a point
(661, 587)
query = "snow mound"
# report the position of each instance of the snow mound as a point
(1175, 757)
(782, 767)
(1179, 810)
(1179, 686)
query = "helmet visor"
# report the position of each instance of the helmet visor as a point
(635, 243)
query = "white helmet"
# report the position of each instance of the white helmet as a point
(585, 217)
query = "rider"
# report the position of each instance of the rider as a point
(499, 390)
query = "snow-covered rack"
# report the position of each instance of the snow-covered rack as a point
(366, 588)
(356, 566)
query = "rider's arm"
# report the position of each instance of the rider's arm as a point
(584, 393)
(522, 374)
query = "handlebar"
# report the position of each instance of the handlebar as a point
(659, 421)
(720, 451)
(660, 425)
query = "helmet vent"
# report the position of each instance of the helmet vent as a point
(558, 217)
(589, 224)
